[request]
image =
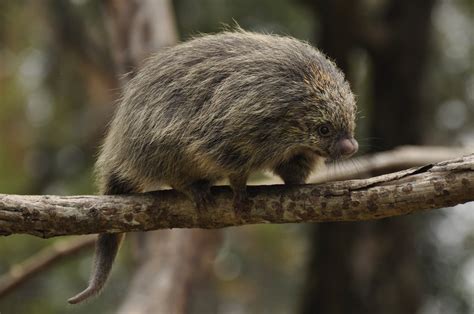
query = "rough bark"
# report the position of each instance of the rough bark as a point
(432, 186)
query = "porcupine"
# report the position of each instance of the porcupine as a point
(222, 106)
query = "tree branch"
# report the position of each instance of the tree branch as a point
(400, 158)
(432, 186)
(49, 256)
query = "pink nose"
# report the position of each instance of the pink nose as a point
(347, 146)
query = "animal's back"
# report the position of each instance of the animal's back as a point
(202, 107)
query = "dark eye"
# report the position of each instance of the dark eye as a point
(324, 130)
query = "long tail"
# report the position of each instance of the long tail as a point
(107, 247)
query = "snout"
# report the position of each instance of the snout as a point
(347, 147)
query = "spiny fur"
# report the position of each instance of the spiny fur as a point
(222, 106)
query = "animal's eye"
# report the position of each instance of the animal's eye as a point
(324, 130)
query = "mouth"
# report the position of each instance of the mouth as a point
(320, 153)
(332, 159)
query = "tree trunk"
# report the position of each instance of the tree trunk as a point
(175, 263)
(372, 267)
(168, 260)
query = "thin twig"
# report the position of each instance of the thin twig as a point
(49, 256)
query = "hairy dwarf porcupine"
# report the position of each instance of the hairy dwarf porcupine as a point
(222, 106)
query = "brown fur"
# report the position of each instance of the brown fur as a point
(222, 106)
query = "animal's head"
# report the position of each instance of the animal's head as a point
(330, 112)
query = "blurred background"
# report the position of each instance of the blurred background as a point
(410, 62)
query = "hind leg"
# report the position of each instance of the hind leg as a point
(238, 183)
(199, 192)
(297, 169)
